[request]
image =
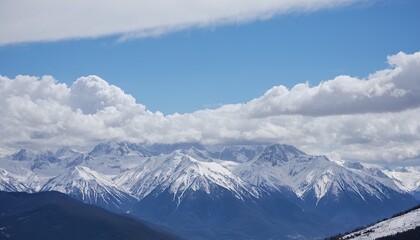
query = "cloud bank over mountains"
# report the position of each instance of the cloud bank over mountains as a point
(371, 119)
(50, 20)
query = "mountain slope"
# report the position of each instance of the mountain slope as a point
(349, 196)
(224, 216)
(10, 184)
(90, 187)
(52, 215)
(180, 171)
(407, 178)
(399, 224)
(197, 197)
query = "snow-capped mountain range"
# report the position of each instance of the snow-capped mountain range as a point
(124, 176)
(137, 170)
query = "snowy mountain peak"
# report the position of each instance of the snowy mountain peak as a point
(354, 165)
(179, 172)
(279, 154)
(119, 149)
(89, 186)
(311, 177)
(109, 148)
(47, 156)
(43, 160)
(407, 178)
(76, 175)
(66, 152)
(11, 184)
(22, 155)
(240, 153)
(159, 148)
(88, 174)
(195, 153)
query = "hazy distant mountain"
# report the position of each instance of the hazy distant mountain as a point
(231, 192)
(407, 178)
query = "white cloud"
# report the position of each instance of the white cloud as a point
(49, 20)
(92, 94)
(394, 89)
(371, 119)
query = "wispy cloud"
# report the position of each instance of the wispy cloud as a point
(51, 20)
(370, 119)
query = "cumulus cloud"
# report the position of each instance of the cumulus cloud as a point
(370, 119)
(92, 94)
(48, 20)
(390, 90)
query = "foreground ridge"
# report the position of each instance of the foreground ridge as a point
(398, 225)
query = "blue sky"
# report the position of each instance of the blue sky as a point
(201, 68)
(339, 78)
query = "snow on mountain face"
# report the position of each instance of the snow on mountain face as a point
(10, 184)
(240, 153)
(376, 173)
(179, 172)
(274, 168)
(66, 152)
(115, 158)
(157, 149)
(119, 149)
(388, 227)
(88, 186)
(283, 166)
(278, 154)
(63, 171)
(22, 155)
(43, 160)
(407, 178)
